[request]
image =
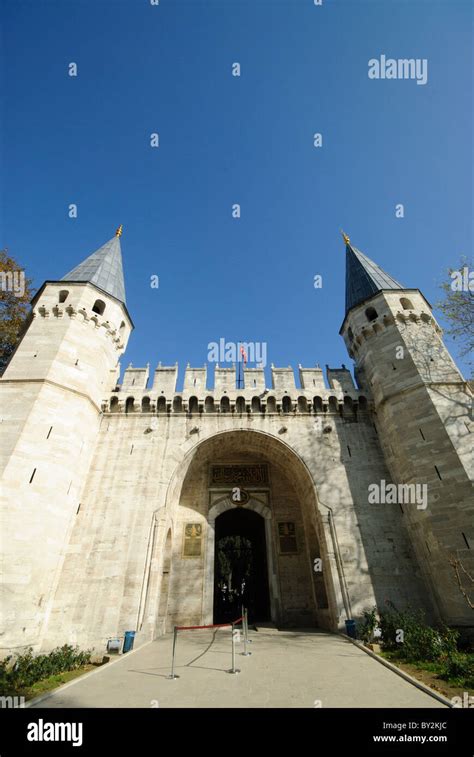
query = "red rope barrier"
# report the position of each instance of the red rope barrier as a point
(216, 625)
(242, 618)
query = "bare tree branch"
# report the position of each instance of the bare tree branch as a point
(456, 564)
(457, 307)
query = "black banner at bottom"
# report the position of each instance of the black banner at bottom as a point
(125, 731)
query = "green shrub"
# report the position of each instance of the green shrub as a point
(4, 669)
(365, 630)
(458, 666)
(26, 669)
(418, 641)
(390, 623)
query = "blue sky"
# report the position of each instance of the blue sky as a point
(246, 140)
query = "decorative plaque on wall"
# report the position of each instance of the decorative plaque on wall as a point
(287, 538)
(192, 540)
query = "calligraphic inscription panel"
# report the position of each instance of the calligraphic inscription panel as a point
(255, 475)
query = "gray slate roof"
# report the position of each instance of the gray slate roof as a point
(103, 268)
(364, 278)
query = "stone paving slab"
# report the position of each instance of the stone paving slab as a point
(286, 669)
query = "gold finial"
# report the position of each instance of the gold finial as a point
(345, 237)
(118, 233)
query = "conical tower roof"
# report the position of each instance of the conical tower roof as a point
(364, 278)
(103, 268)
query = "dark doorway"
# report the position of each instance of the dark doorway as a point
(240, 567)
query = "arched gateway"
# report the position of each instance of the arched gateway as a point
(247, 529)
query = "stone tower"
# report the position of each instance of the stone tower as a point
(51, 398)
(423, 416)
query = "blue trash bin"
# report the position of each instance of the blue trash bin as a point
(351, 628)
(128, 641)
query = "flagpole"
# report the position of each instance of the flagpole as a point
(238, 360)
(244, 355)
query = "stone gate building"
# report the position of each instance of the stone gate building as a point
(115, 497)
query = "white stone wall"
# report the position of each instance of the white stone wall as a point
(112, 572)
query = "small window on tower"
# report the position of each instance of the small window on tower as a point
(371, 314)
(406, 303)
(63, 295)
(99, 307)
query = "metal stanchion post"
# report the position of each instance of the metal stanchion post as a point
(249, 641)
(233, 669)
(172, 675)
(245, 630)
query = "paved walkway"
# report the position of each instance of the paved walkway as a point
(286, 669)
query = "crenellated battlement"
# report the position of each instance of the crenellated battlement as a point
(79, 302)
(339, 395)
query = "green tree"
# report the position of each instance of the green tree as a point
(15, 295)
(457, 307)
